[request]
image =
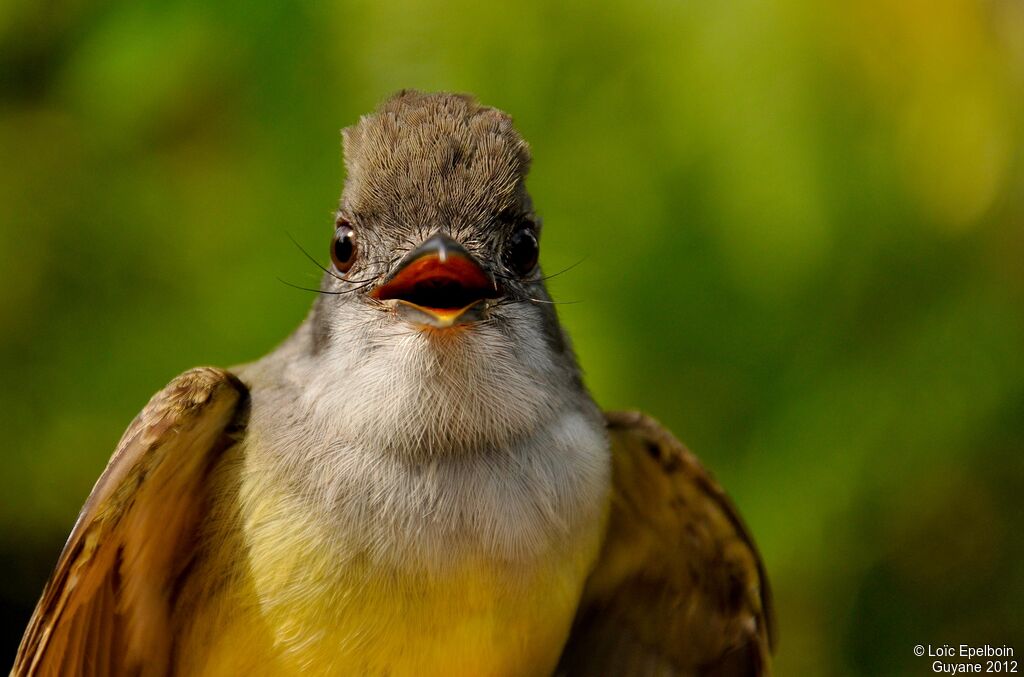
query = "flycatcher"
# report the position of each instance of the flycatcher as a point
(416, 482)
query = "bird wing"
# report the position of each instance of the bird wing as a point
(106, 608)
(679, 588)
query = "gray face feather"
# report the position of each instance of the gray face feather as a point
(435, 163)
(440, 163)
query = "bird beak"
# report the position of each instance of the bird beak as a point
(439, 284)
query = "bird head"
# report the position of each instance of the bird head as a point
(435, 228)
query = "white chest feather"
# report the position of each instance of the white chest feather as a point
(400, 566)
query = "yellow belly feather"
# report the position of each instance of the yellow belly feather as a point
(289, 606)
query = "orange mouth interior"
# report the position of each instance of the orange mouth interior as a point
(439, 285)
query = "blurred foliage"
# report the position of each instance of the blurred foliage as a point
(800, 225)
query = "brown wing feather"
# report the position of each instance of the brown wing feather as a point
(105, 609)
(679, 588)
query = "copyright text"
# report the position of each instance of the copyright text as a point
(964, 659)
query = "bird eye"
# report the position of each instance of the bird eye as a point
(343, 247)
(522, 251)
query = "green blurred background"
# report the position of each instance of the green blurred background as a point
(801, 225)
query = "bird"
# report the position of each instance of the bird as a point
(417, 480)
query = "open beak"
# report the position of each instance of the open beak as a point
(439, 284)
